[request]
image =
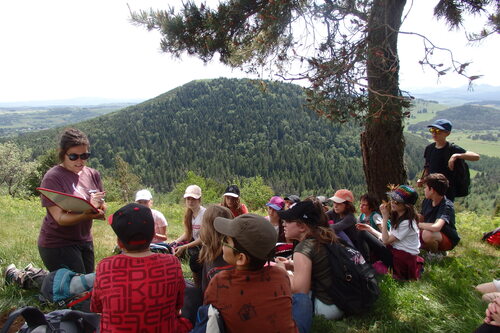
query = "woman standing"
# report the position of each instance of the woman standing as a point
(65, 238)
(190, 239)
(231, 200)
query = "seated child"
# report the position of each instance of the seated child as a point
(144, 197)
(310, 268)
(438, 232)
(252, 297)
(398, 248)
(341, 216)
(138, 291)
(211, 250)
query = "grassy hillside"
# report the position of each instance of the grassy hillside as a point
(442, 301)
(423, 110)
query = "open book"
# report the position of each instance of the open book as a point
(67, 202)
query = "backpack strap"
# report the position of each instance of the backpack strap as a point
(76, 300)
(90, 321)
(33, 317)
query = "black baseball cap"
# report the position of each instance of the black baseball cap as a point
(304, 211)
(232, 191)
(134, 225)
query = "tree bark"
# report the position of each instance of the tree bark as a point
(382, 142)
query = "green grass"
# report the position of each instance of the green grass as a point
(482, 147)
(442, 301)
(432, 109)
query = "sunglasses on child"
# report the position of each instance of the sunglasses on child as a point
(74, 157)
(435, 130)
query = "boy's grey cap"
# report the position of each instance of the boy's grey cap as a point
(253, 232)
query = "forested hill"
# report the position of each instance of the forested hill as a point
(229, 128)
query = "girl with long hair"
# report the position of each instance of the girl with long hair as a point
(398, 248)
(211, 250)
(310, 265)
(231, 200)
(190, 239)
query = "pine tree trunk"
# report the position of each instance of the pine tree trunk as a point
(382, 142)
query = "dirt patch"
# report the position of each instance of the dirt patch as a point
(16, 325)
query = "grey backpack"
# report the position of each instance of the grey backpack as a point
(68, 321)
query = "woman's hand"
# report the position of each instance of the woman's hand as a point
(91, 214)
(97, 199)
(385, 210)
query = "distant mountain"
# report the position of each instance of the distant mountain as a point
(461, 95)
(230, 128)
(79, 101)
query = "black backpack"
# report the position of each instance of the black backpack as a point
(354, 287)
(461, 175)
(68, 321)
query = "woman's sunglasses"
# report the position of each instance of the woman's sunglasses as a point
(74, 157)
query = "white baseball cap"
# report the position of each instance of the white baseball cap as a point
(193, 191)
(143, 195)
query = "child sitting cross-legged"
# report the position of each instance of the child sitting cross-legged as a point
(252, 297)
(438, 231)
(138, 290)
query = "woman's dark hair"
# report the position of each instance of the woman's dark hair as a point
(410, 214)
(323, 218)
(255, 263)
(239, 208)
(321, 232)
(371, 201)
(71, 137)
(349, 208)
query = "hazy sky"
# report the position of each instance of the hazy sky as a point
(60, 49)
